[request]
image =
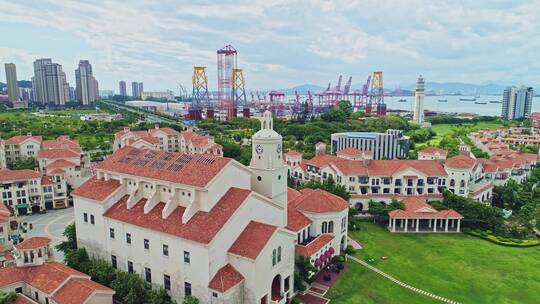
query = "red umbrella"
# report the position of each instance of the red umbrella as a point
(318, 262)
(331, 250)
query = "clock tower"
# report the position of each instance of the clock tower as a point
(269, 171)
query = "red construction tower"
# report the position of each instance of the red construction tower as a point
(226, 61)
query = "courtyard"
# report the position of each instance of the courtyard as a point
(50, 224)
(455, 266)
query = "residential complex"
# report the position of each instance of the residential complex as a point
(369, 179)
(33, 274)
(236, 229)
(517, 102)
(87, 91)
(11, 82)
(535, 119)
(135, 93)
(167, 139)
(389, 145)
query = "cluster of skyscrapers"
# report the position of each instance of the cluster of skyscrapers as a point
(50, 86)
(517, 102)
(136, 89)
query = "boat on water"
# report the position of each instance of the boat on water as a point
(467, 99)
(495, 101)
(402, 100)
(480, 102)
(442, 100)
(478, 96)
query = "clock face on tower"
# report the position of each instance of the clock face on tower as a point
(278, 149)
(259, 149)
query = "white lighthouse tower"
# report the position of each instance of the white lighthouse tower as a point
(418, 116)
(269, 171)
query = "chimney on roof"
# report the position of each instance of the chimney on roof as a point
(320, 148)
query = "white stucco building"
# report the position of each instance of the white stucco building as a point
(203, 225)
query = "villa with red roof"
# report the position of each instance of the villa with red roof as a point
(20, 146)
(38, 279)
(167, 139)
(198, 224)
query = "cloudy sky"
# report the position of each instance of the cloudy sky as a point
(281, 43)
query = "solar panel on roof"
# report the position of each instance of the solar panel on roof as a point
(131, 155)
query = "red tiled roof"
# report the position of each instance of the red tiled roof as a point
(97, 189)
(194, 170)
(46, 180)
(17, 175)
(226, 278)
(49, 276)
(201, 228)
(34, 243)
(62, 142)
(18, 139)
(165, 130)
(314, 246)
(460, 162)
(11, 275)
(319, 201)
(57, 171)
(433, 150)
(61, 163)
(77, 291)
(353, 152)
(418, 208)
(58, 153)
(293, 153)
(22, 299)
(252, 240)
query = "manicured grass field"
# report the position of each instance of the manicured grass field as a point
(455, 266)
(444, 129)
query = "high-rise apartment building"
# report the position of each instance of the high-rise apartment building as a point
(49, 83)
(122, 88)
(418, 116)
(517, 102)
(141, 89)
(86, 90)
(11, 79)
(38, 81)
(135, 89)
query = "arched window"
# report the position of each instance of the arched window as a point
(452, 183)
(331, 227)
(274, 257)
(462, 184)
(279, 254)
(324, 227)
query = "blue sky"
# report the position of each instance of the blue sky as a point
(281, 43)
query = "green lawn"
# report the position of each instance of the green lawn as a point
(444, 129)
(456, 266)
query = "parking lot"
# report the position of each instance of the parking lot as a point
(50, 224)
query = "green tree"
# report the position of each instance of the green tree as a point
(25, 163)
(77, 259)
(129, 288)
(159, 296)
(101, 271)
(7, 297)
(70, 243)
(191, 300)
(329, 185)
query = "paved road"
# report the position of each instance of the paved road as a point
(149, 117)
(50, 224)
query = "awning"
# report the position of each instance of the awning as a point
(20, 206)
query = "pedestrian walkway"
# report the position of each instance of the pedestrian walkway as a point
(404, 285)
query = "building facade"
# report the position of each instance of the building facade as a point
(11, 82)
(207, 226)
(135, 90)
(56, 88)
(122, 91)
(390, 145)
(86, 84)
(517, 102)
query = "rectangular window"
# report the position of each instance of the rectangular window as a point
(148, 274)
(92, 219)
(111, 233)
(130, 267)
(128, 238)
(187, 259)
(85, 217)
(113, 261)
(146, 244)
(36, 295)
(165, 250)
(187, 289)
(166, 282)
